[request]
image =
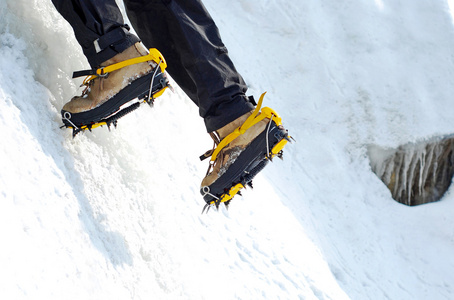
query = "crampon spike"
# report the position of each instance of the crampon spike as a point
(280, 155)
(150, 102)
(227, 204)
(206, 208)
(76, 131)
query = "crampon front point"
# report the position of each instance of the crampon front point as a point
(251, 160)
(142, 90)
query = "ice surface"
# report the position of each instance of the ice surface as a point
(416, 173)
(117, 215)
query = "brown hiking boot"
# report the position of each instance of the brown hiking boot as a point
(229, 153)
(101, 89)
(244, 147)
(117, 88)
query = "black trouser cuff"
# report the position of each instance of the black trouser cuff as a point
(109, 45)
(228, 112)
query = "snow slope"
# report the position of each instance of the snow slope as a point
(116, 215)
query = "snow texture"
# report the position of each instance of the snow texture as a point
(116, 215)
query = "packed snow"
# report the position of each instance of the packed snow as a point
(117, 215)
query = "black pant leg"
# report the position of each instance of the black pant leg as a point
(98, 26)
(197, 59)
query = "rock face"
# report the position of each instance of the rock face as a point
(415, 173)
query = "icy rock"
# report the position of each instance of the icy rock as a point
(415, 173)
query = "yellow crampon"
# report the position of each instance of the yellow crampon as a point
(224, 197)
(253, 119)
(95, 125)
(231, 193)
(153, 55)
(258, 115)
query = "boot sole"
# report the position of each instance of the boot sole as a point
(139, 88)
(249, 163)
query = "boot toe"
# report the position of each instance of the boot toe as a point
(77, 105)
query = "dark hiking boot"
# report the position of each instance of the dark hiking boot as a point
(244, 147)
(126, 76)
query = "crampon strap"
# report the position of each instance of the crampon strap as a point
(257, 116)
(153, 55)
(162, 83)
